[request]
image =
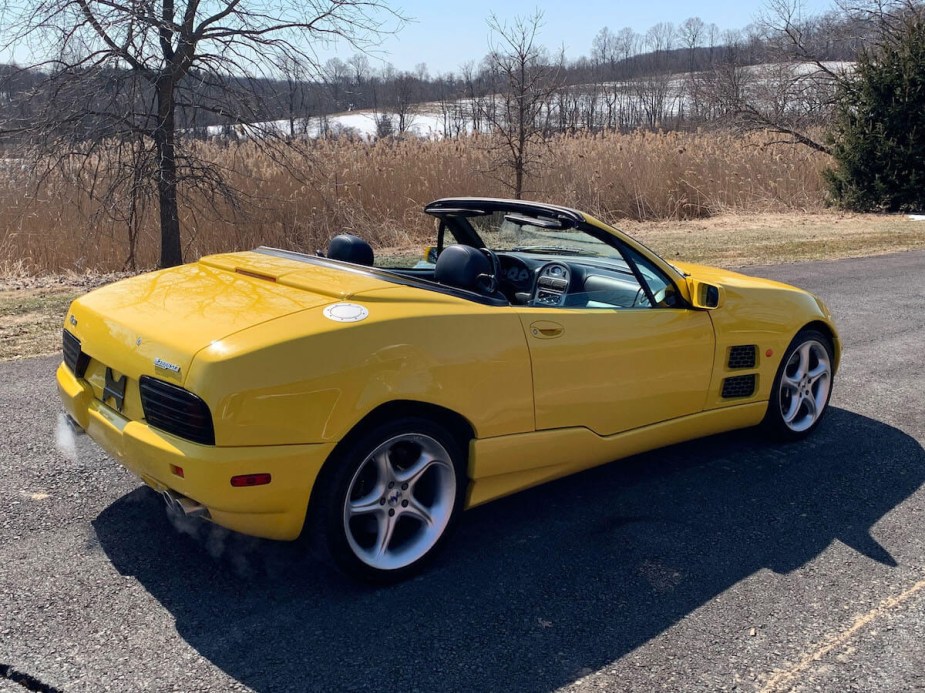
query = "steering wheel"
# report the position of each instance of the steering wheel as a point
(642, 299)
(490, 281)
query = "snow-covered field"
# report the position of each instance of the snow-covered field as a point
(426, 122)
(438, 120)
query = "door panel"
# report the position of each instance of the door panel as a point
(614, 370)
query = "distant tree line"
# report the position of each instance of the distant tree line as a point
(669, 76)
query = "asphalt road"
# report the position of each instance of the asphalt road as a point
(727, 563)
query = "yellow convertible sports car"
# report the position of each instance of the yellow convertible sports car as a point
(369, 400)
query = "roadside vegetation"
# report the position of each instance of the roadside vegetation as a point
(681, 122)
(709, 197)
(32, 309)
(377, 190)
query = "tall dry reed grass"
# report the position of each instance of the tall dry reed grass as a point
(377, 190)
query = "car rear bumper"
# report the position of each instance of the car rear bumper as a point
(275, 510)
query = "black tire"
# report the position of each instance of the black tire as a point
(369, 511)
(802, 387)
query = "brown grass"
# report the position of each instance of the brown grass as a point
(32, 309)
(377, 190)
(705, 197)
(761, 239)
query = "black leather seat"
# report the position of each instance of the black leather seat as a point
(349, 248)
(465, 267)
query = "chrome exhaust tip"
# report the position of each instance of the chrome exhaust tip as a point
(185, 506)
(72, 424)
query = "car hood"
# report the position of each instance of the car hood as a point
(728, 278)
(155, 323)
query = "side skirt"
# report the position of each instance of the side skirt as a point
(506, 464)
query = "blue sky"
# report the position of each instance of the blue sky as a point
(447, 34)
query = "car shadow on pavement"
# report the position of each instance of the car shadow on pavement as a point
(534, 590)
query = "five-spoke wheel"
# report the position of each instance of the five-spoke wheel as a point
(400, 501)
(802, 387)
(390, 499)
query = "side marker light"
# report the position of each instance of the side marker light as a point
(250, 480)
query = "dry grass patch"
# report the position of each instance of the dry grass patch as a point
(30, 321)
(764, 239)
(32, 311)
(377, 190)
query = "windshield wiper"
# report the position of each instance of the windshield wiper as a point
(557, 249)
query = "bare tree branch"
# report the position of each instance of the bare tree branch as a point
(119, 72)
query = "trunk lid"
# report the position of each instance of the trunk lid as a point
(154, 324)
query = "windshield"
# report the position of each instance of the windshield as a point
(502, 231)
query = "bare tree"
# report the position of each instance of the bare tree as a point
(296, 98)
(654, 89)
(661, 37)
(603, 59)
(362, 85)
(627, 43)
(794, 89)
(338, 76)
(526, 81)
(117, 71)
(452, 109)
(712, 35)
(692, 32)
(476, 95)
(604, 49)
(405, 96)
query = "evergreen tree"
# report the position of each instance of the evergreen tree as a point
(878, 136)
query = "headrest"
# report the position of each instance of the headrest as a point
(348, 248)
(460, 266)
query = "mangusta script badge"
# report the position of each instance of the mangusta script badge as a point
(165, 365)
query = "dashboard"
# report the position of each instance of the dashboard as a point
(552, 285)
(516, 272)
(541, 281)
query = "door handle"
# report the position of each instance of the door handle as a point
(546, 329)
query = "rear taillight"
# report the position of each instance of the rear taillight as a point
(74, 358)
(175, 410)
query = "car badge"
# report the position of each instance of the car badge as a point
(346, 312)
(167, 366)
(73, 321)
(138, 342)
(114, 388)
